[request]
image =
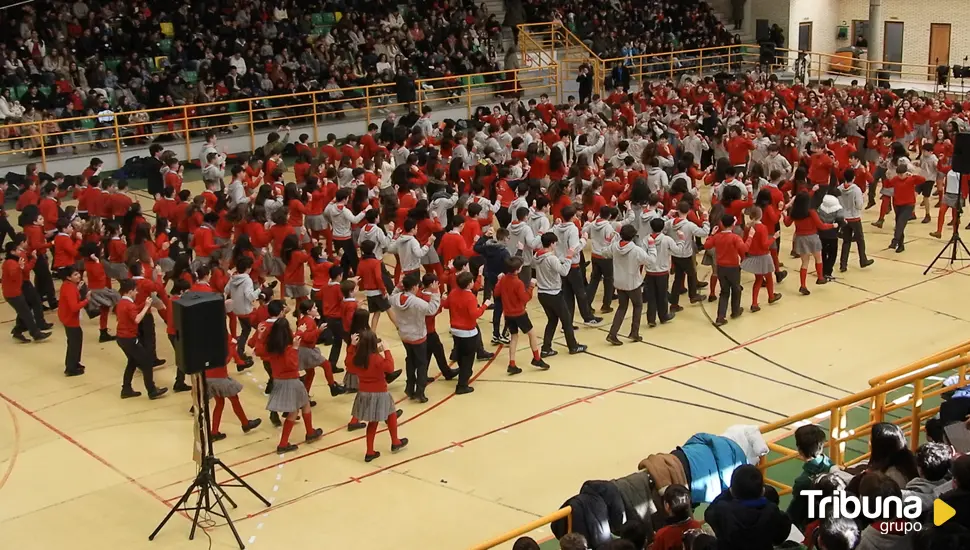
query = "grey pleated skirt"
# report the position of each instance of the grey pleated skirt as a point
(315, 222)
(223, 387)
(373, 407)
(952, 200)
(296, 291)
(758, 265)
(272, 265)
(431, 257)
(807, 244)
(310, 358)
(199, 261)
(709, 257)
(288, 395)
(103, 297)
(350, 380)
(116, 270)
(167, 264)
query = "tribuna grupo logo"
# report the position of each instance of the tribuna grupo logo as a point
(893, 514)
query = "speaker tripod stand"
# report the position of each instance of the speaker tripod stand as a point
(211, 493)
(954, 242)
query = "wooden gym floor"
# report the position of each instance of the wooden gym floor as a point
(81, 468)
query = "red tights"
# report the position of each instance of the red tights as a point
(884, 206)
(391, 429)
(768, 281)
(288, 427)
(103, 321)
(311, 374)
(236, 408)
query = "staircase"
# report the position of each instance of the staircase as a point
(497, 7)
(722, 10)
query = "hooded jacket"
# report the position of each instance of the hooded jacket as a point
(568, 235)
(746, 524)
(657, 180)
(830, 211)
(372, 232)
(927, 491)
(495, 253)
(798, 508)
(550, 270)
(872, 538)
(665, 246)
(521, 232)
(601, 235)
(640, 219)
(410, 251)
(242, 293)
(411, 312)
(628, 258)
(712, 460)
(691, 232)
(851, 200)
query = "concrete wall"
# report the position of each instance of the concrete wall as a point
(823, 14)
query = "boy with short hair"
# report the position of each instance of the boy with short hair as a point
(742, 517)
(139, 357)
(515, 296)
(729, 248)
(550, 274)
(680, 519)
(810, 441)
(933, 462)
(69, 306)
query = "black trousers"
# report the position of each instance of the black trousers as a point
(625, 297)
(830, 251)
(503, 217)
(436, 349)
(554, 305)
(245, 327)
(138, 359)
(146, 335)
(416, 366)
(43, 280)
(903, 213)
(574, 290)
(179, 375)
(684, 270)
(349, 259)
(75, 341)
(730, 281)
(525, 275)
(27, 317)
(655, 294)
(852, 232)
(336, 327)
(6, 230)
(466, 348)
(602, 271)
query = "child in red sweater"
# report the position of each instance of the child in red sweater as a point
(370, 272)
(310, 357)
(69, 306)
(372, 363)
(807, 244)
(220, 387)
(464, 314)
(288, 395)
(758, 261)
(680, 519)
(728, 248)
(515, 297)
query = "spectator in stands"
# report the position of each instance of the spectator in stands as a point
(742, 518)
(837, 534)
(890, 454)
(887, 532)
(933, 461)
(810, 441)
(680, 518)
(829, 484)
(525, 543)
(572, 541)
(959, 497)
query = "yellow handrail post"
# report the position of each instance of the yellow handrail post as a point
(185, 128)
(729, 58)
(114, 121)
(316, 133)
(640, 76)
(671, 67)
(914, 418)
(468, 95)
(835, 439)
(701, 70)
(419, 89)
(252, 126)
(366, 103)
(43, 150)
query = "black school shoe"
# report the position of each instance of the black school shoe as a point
(19, 336)
(336, 390)
(157, 393)
(289, 448)
(512, 370)
(316, 434)
(218, 436)
(274, 418)
(181, 387)
(252, 425)
(392, 376)
(127, 393)
(580, 348)
(73, 372)
(398, 446)
(461, 390)
(540, 364)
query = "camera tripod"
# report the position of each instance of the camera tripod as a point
(211, 492)
(953, 243)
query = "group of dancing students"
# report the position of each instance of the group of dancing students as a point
(508, 207)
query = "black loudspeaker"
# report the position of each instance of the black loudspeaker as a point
(767, 55)
(882, 79)
(201, 337)
(961, 153)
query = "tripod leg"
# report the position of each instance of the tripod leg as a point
(222, 465)
(180, 503)
(224, 494)
(937, 258)
(229, 522)
(203, 494)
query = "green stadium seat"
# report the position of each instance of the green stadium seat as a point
(165, 45)
(19, 91)
(190, 77)
(112, 63)
(316, 19)
(46, 90)
(329, 18)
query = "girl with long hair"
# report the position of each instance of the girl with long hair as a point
(288, 395)
(294, 275)
(758, 261)
(807, 244)
(307, 316)
(373, 403)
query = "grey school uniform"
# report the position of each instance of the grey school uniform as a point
(101, 297)
(296, 291)
(224, 387)
(373, 406)
(807, 244)
(115, 270)
(310, 358)
(288, 395)
(350, 382)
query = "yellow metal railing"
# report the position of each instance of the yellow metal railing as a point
(115, 131)
(920, 380)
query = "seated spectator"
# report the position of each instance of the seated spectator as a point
(810, 441)
(959, 497)
(525, 543)
(572, 541)
(933, 462)
(680, 518)
(743, 519)
(887, 532)
(889, 454)
(837, 534)
(828, 484)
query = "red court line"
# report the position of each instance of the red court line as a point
(604, 392)
(15, 452)
(351, 440)
(87, 451)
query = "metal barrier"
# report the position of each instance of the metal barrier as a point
(117, 130)
(920, 380)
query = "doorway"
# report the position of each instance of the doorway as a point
(892, 47)
(805, 37)
(860, 28)
(939, 47)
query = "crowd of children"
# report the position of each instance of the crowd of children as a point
(528, 200)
